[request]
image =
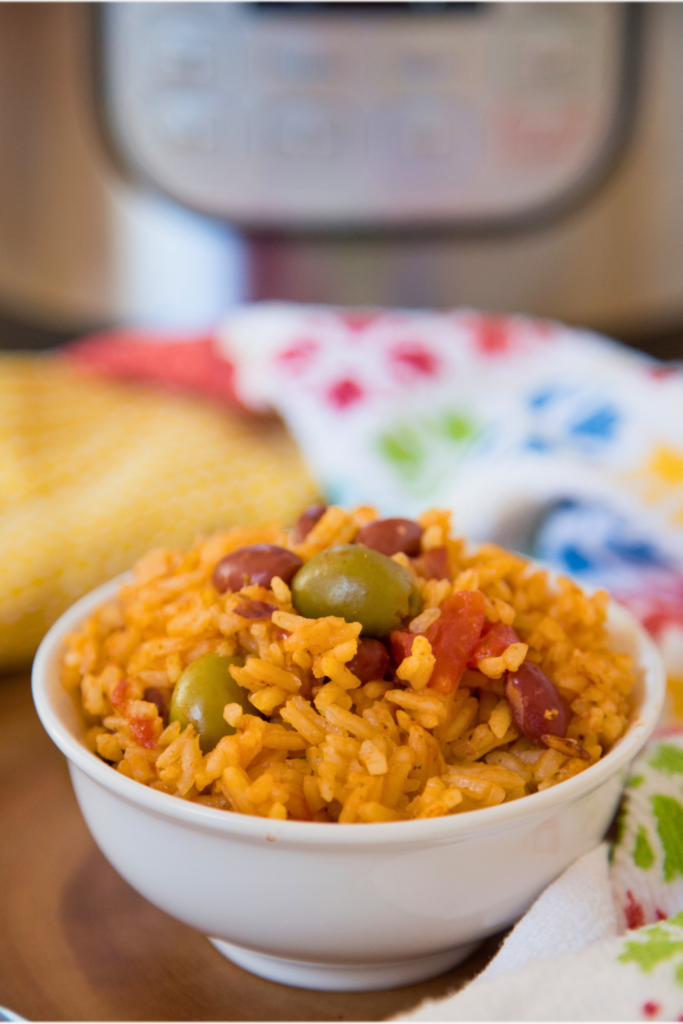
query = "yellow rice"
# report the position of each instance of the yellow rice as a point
(334, 749)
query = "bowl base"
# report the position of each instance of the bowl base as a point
(330, 977)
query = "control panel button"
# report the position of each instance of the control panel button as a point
(541, 134)
(187, 120)
(184, 60)
(302, 60)
(423, 62)
(420, 67)
(429, 140)
(543, 55)
(303, 63)
(548, 59)
(305, 133)
(424, 136)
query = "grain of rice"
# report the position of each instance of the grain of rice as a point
(417, 668)
(424, 620)
(509, 661)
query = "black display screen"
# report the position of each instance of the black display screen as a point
(362, 9)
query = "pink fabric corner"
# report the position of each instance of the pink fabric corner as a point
(192, 364)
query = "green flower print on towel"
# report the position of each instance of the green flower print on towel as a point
(643, 854)
(455, 426)
(404, 449)
(421, 449)
(668, 759)
(669, 815)
(655, 945)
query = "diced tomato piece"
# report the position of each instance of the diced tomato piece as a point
(453, 637)
(119, 697)
(144, 731)
(401, 644)
(433, 564)
(495, 639)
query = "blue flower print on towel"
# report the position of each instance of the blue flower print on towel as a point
(571, 419)
(597, 543)
(602, 547)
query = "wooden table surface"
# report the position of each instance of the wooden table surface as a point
(77, 943)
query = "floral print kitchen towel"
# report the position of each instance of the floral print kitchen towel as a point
(552, 440)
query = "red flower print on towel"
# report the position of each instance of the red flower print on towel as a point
(660, 607)
(663, 372)
(634, 912)
(358, 320)
(493, 335)
(412, 359)
(345, 393)
(299, 355)
(499, 335)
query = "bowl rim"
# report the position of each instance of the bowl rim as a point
(447, 828)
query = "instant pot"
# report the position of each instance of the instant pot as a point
(506, 156)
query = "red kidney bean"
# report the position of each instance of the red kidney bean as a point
(433, 564)
(307, 521)
(256, 564)
(160, 698)
(370, 661)
(254, 610)
(536, 706)
(391, 536)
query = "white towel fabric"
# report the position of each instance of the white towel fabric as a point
(595, 984)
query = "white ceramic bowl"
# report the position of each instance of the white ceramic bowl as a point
(342, 907)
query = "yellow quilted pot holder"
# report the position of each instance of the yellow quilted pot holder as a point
(93, 474)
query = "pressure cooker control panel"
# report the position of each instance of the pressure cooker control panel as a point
(286, 115)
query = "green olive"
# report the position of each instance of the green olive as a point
(357, 584)
(201, 693)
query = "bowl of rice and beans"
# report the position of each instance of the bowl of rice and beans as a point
(235, 713)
